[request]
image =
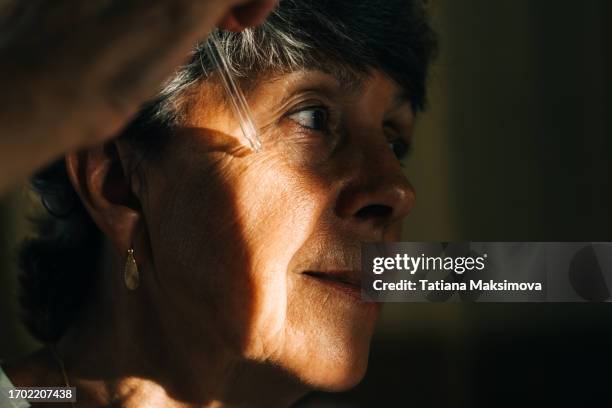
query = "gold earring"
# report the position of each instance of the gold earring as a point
(131, 276)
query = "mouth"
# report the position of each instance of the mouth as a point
(344, 281)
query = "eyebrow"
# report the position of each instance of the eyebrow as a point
(333, 83)
(400, 98)
(350, 82)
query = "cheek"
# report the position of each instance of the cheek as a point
(226, 235)
(302, 149)
(278, 211)
(199, 251)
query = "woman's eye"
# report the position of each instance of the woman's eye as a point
(311, 118)
(400, 147)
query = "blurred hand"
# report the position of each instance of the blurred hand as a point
(74, 72)
(249, 14)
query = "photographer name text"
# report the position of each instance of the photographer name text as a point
(442, 285)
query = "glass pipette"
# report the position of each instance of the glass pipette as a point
(241, 109)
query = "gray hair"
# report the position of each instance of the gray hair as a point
(343, 37)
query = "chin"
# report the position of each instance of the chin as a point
(337, 373)
(341, 378)
(326, 344)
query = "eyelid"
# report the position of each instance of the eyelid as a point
(405, 150)
(333, 115)
(299, 109)
(400, 123)
(399, 135)
(303, 99)
(397, 132)
(293, 106)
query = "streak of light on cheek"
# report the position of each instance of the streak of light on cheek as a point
(280, 211)
(277, 214)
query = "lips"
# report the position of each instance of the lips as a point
(345, 277)
(347, 282)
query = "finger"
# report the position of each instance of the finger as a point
(247, 15)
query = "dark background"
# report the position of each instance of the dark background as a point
(515, 147)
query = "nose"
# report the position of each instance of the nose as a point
(376, 200)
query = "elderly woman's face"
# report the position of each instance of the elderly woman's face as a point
(260, 251)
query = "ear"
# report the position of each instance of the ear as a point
(101, 180)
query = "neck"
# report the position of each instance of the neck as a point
(132, 351)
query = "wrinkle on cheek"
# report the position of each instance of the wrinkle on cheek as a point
(279, 219)
(275, 205)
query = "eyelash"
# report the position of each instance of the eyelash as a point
(405, 147)
(402, 152)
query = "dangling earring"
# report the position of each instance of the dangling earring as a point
(131, 276)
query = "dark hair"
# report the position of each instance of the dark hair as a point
(345, 37)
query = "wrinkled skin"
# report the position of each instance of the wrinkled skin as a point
(228, 311)
(243, 229)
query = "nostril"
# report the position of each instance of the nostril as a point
(374, 211)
